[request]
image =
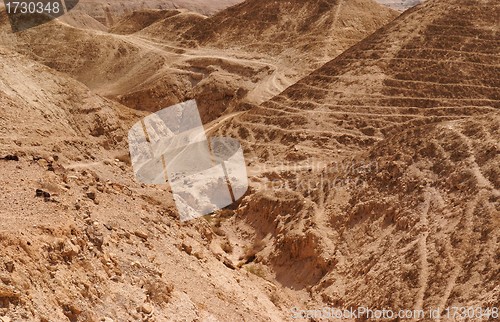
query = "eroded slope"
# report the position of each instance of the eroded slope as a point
(80, 239)
(375, 178)
(147, 71)
(305, 32)
(435, 62)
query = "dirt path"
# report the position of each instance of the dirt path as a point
(268, 87)
(423, 279)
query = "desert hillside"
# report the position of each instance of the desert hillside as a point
(382, 165)
(436, 62)
(140, 19)
(111, 11)
(288, 29)
(371, 143)
(138, 67)
(80, 239)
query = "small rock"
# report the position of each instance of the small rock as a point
(94, 235)
(187, 248)
(107, 320)
(9, 266)
(11, 158)
(141, 234)
(116, 278)
(42, 163)
(91, 195)
(40, 193)
(228, 263)
(147, 308)
(70, 250)
(6, 280)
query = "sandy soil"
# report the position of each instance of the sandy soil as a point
(173, 58)
(373, 162)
